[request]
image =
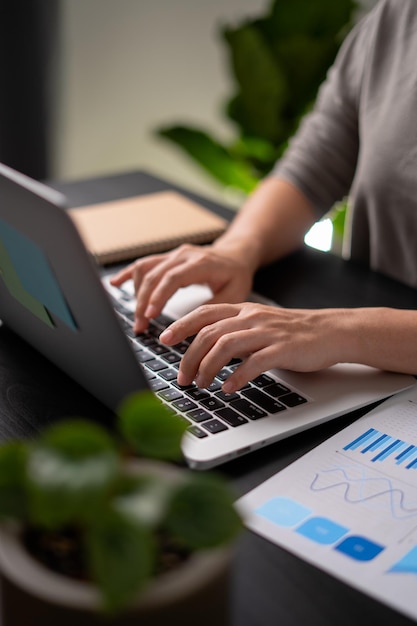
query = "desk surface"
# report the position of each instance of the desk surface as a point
(270, 586)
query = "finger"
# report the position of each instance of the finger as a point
(190, 324)
(137, 268)
(215, 345)
(204, 363)
(122, 276)
(252, 366)
(181, 270)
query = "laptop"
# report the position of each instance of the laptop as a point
(53, 294)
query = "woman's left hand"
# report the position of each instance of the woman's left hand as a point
(264, 337)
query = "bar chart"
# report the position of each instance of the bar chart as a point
(382, 446)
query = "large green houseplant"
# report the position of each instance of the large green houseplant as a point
(78, 506)
(277, 63)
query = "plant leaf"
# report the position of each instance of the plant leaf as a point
(13, 503)
(120, 555)
(144, 499)
(150, 428)
(263, 87)
(202, 513)
(70, 470)
(320, 19)
(212, 157)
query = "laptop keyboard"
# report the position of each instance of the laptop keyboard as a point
(207, 411)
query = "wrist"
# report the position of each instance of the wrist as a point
(242, 250)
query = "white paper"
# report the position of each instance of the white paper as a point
(351, 508)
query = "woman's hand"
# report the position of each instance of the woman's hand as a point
(156, 278)
(264, 337)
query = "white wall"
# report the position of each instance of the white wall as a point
(128, 66)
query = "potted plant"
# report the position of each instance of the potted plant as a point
(93, 534)
(277, 62)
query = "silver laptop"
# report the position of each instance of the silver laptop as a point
(54, 296)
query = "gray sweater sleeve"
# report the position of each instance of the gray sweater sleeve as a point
(322, 156)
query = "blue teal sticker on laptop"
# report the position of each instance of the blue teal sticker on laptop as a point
(29, 278)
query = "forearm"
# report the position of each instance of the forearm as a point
(381, 337)
(271, 224)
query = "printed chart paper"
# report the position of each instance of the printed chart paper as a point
(349, 506)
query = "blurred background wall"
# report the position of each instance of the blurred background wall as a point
(120, 69)
(128, 66)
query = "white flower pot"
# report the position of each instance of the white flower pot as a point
(197, 592)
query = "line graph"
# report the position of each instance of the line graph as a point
(365, 488)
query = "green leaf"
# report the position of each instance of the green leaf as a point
(202, 513)
(144, 499)
(70, 470)
(306, 61)
(121, 556)
(319, 18)
(13, 501)
(254, 148)
(263, 91)
(150, 428)
(212, 157)
(338, 217)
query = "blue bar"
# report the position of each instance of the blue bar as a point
(361, 439)
(413, 455)
(377, 444)
(405, 454)
(412, 465)
(389, 450)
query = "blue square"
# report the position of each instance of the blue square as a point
(322, 530)
(359, 548)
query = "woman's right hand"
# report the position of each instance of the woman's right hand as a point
(157, 277)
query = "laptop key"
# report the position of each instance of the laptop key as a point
(197, 394)
(249, 409)
(144, 357)
(212, 404)
(170, 394)
(184, 404)
(214, 386)
(199, 415)
(145, 339)
(163, 320)
(263, 380)
(180, 348)
(276, 390)
(223, 374)
(197, 432)
(264, 401)
(171, 357)
(227, 397)
(231, 417)
(155, 365)
(293, 399)
(169, 374)
(157, 384)
(158, 348)
(214, 426)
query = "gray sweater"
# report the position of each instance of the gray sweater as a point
(361, 141)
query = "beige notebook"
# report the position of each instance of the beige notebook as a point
(124, 229)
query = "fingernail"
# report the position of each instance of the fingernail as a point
(182, 379)
(200, 382)
(166, 336)
(150, 311)
(228, 387)
(139, 327)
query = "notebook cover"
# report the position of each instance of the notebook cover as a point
(130, 227)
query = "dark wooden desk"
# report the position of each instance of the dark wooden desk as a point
(271, 587)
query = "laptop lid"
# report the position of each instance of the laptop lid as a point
(52, 295)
